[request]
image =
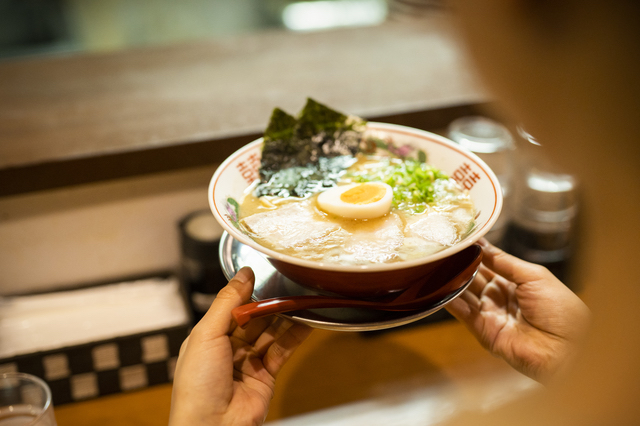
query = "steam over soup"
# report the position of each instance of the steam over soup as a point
(330, 192)
(390, 224)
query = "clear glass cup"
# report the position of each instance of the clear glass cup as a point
(25, 400)
(493, 143)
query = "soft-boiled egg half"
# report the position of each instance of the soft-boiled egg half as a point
(357, 200)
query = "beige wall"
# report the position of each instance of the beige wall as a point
(96, 232)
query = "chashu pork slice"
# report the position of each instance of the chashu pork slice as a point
(296, 228)
(376, 242)
(433, 227)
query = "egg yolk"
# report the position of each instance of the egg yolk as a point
(363, 194)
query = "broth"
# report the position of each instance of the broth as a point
(410, 230)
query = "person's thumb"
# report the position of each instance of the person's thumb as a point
(238, 291)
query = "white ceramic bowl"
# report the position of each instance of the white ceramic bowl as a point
(230, 181)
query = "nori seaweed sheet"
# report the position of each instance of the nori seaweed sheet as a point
(305, 155)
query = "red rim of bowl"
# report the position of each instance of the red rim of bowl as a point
(393, 128)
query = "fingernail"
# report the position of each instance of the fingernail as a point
(483, 242)
(244, 275)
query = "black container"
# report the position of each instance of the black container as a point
(200, 271)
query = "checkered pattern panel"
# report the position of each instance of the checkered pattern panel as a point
(106, 367)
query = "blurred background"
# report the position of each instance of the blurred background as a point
(71, 26)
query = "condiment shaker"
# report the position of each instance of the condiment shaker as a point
(543, 229)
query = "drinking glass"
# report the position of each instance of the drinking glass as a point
(25, 400)
(493, 143)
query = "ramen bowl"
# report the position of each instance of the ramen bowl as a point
(231, 182)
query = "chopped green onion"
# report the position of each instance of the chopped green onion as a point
(412, 182)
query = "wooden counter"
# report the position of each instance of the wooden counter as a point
(333, 374)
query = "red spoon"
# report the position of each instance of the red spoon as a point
(454, 272)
